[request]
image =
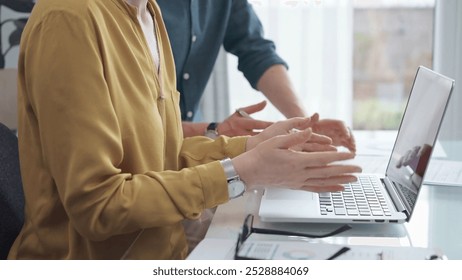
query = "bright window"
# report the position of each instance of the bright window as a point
(352, 60)
(391, 39)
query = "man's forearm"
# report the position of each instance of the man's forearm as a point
(193, 129)
(275, 84)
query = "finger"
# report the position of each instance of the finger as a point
(343, 129)
(321, 189)
(314, 118)
(291, 140)
(236, 126)
(333, 128)
(316, 147)
(251, 131)
(309, 122)
(254, 108)
(296, 124)
(351, 145)
(245, 133)
(245, 126)
(331, 171)
(350, 142)
(251, 124)
(315, 159)
(331, 181)
(322, 139)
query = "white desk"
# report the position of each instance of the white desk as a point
(436, 222)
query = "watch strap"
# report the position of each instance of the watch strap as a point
(228, 167)
(236, 187)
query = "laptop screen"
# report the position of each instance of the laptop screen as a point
(418, 133)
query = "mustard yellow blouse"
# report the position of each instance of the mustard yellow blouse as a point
(106, 171)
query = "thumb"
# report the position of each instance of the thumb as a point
(293, 139)
(296, 124)
(255, 107)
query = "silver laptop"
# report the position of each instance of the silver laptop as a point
(376, 198)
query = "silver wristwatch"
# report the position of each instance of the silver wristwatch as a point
(236, 186)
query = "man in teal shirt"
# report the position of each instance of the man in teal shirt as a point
(197, 30)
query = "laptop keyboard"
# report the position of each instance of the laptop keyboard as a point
(361, 198)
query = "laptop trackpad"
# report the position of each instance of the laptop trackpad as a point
(286, 194)
(288, 205)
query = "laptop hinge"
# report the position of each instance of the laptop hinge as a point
(394, 196)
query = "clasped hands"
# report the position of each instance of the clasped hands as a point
(236, 125)
(289, 154)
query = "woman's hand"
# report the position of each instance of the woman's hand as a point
(289, 126)
(275, 163)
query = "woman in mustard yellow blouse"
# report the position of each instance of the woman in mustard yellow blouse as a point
(106, 171)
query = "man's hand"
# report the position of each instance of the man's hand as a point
(340, 134)
(237, 125)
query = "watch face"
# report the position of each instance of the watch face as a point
(211, 134)
(236, 188)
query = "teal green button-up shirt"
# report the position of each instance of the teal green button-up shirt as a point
(198, 28)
